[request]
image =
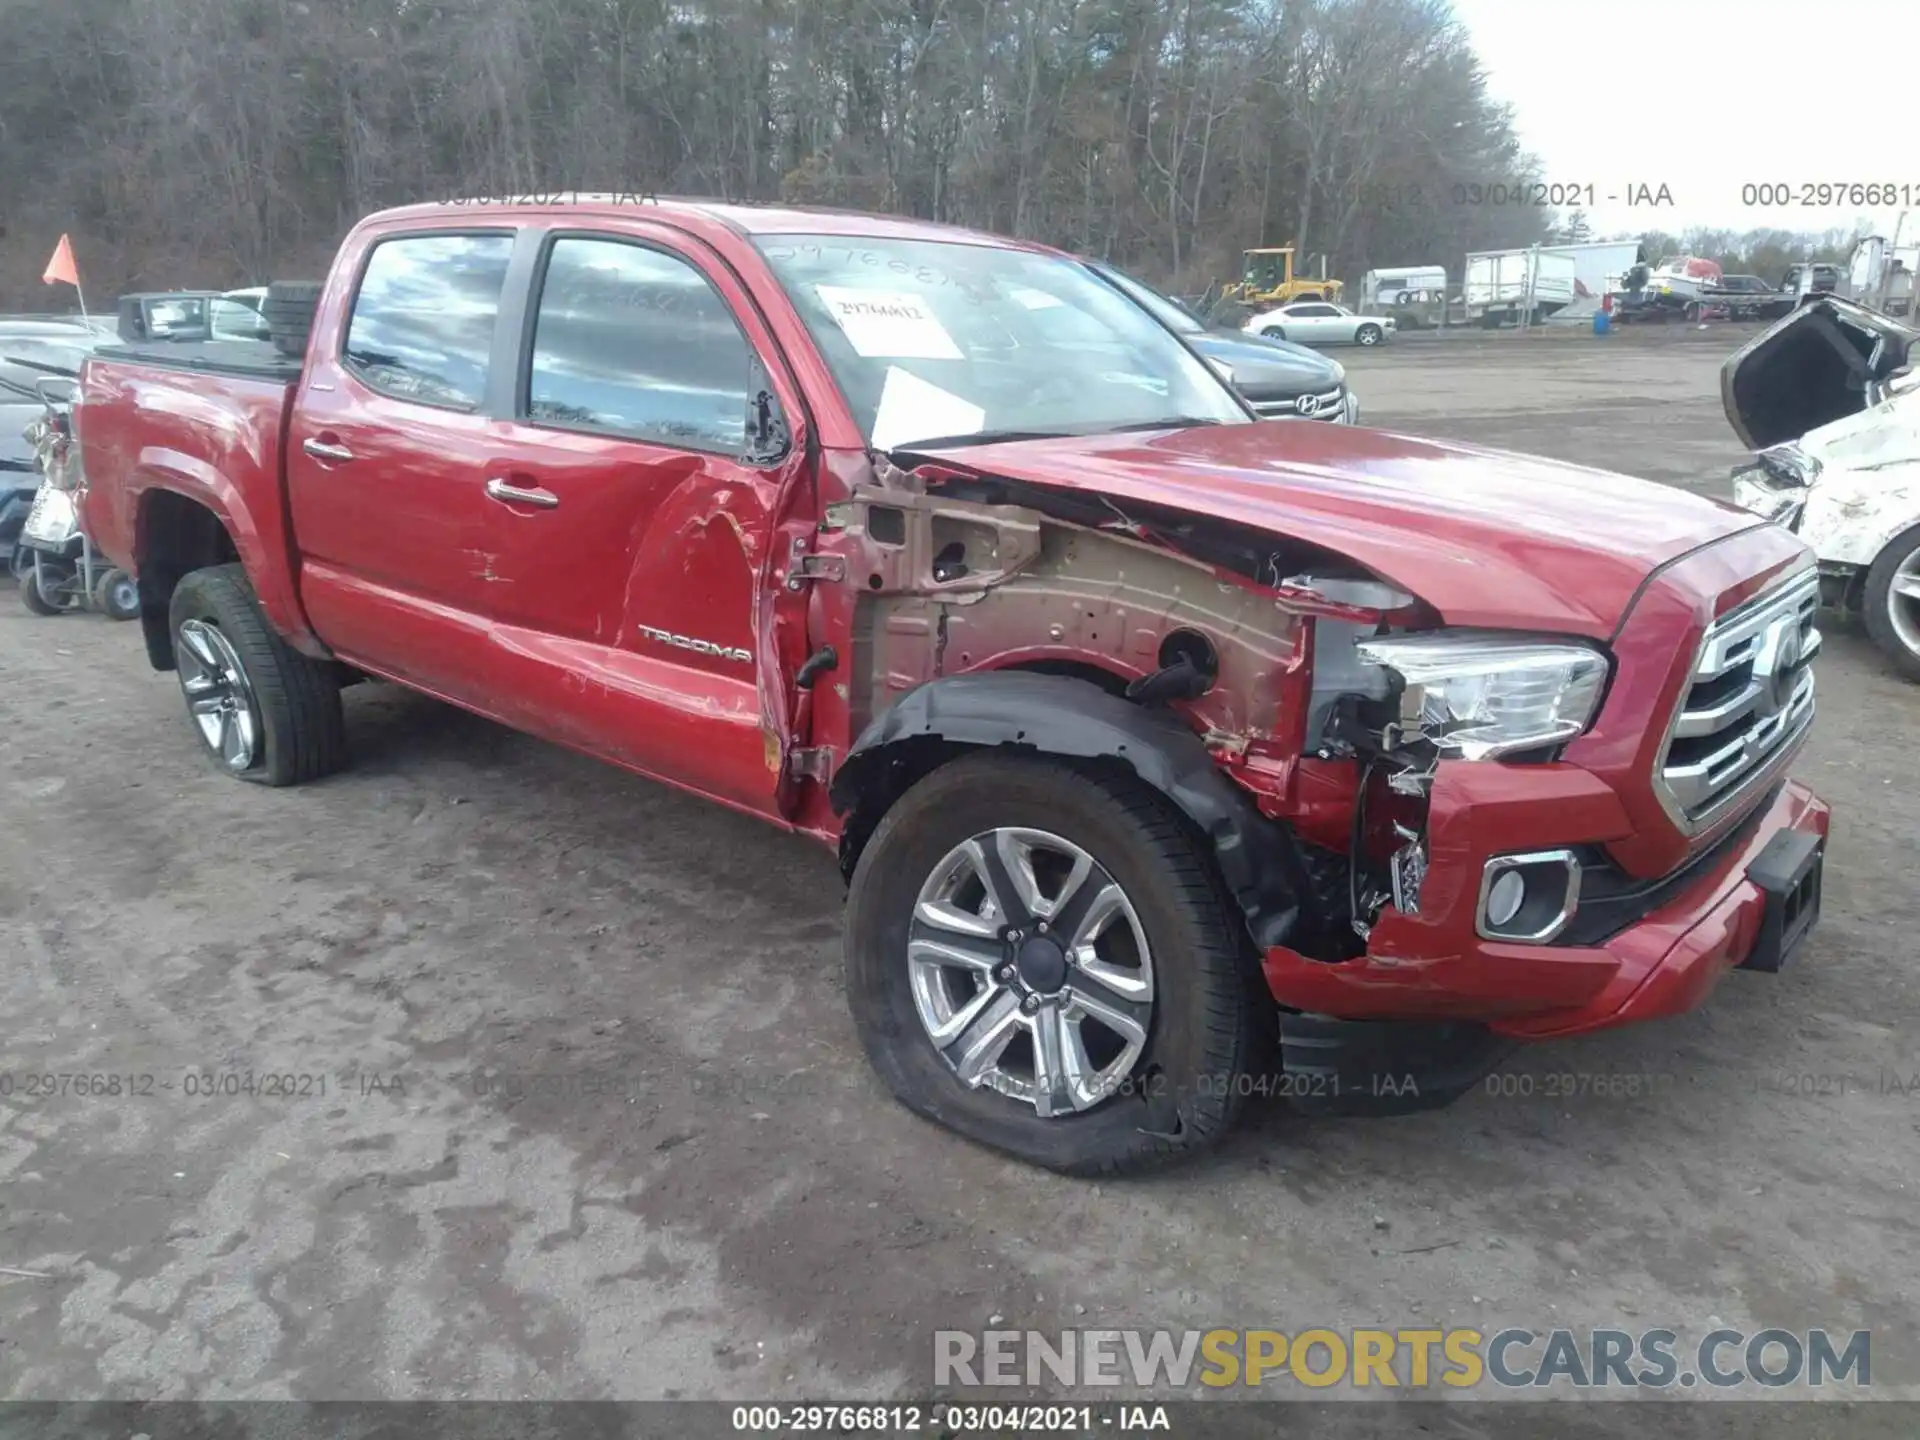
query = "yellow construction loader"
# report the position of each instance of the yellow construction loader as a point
(1269, 279)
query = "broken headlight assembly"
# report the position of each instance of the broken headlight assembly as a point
(1476, 696)
(1775, 485)
(1450, 695)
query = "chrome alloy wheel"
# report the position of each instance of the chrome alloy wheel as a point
(219, 697)
(1903, 601)
(1030, 970)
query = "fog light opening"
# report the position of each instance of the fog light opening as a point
(1504, 897)
(1529, 897)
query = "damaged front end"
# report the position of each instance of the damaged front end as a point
(1467, 696)
(1829, 400)
(1328, 698)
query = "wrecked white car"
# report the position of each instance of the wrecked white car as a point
(1829, 400)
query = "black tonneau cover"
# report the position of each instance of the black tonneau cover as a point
(252, 359)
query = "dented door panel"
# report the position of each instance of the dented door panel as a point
(623, 617)
(633, 607)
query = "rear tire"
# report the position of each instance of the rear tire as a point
(262, 711)
(289, 309)
(1206, 1011)
(1893, 618)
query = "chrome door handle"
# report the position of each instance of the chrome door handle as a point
(506, 494)
(320, 450)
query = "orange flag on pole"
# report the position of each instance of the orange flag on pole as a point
(61, 266)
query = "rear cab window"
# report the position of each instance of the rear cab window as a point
(423, 318)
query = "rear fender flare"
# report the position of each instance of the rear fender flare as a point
(1072, 719)
(264, 559)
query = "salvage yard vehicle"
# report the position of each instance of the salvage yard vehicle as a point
(1745, 297)
(236, 315)
(167, 315)
(53, 556)
(1316, 322)
(1147, 735)
(1825, 279)
(1280, 380)
(1829, 400)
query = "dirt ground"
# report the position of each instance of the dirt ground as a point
(577, 1110)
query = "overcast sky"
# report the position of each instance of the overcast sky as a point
(1705, 96)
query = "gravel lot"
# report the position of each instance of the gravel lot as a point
(702, 1193)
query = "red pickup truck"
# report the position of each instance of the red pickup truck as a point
(1171, 756)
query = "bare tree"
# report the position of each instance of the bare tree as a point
(221, 142)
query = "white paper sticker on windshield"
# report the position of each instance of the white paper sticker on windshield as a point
(911, 409)
(1036, 299)
(888, 324)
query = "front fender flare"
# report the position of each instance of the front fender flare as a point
(1072, 719)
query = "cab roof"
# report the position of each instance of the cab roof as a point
(697, 215)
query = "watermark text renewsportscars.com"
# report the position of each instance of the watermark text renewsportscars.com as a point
(1514, 1358)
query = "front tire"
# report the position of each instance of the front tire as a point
(1119, 1042)
(1891, 602)
(263, 712)
(1368, 335)
(1275, 332)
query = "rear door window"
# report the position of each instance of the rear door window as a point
(422, 323)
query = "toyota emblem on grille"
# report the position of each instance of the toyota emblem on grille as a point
(1308, 406)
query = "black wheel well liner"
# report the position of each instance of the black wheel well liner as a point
(174, 534)
(1070, 719)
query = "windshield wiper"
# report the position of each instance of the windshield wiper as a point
(1172, 422)
(979, 437)
(997, 437)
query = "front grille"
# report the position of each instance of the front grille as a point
(1327, 405)
(1750, 698)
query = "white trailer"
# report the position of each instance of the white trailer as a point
(1414, 295)
(1881, 272)
(1517, 285)
(1388, 287)
(1599, 264)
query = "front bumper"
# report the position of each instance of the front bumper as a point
(1434, 966)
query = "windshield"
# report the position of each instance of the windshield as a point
(1173, 316)
(936, 340)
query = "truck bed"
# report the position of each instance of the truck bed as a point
(204, 419)
(250, 359)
